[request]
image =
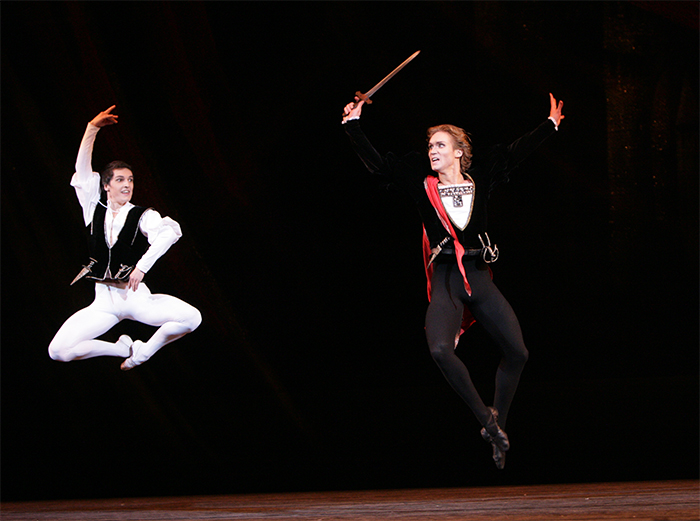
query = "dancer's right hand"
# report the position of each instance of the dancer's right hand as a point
(352, 111)
(104, 118)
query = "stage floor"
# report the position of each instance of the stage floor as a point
(641, 501)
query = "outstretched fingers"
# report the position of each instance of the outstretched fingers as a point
(555, 109)
(105, 118)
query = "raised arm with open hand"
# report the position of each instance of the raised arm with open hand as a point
(555, 109)
(105, 118)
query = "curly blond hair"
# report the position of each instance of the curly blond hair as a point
(460, 140)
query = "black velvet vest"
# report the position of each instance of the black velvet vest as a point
(118, 261)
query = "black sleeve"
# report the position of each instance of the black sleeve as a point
(502, 160)
(373, 160)
(406, 174)
(410, 168)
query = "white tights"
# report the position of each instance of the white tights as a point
(76, 338)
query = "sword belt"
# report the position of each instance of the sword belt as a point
(449, 254)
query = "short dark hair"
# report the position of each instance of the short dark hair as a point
(108, 172)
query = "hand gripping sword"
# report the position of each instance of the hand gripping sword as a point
(366, 97)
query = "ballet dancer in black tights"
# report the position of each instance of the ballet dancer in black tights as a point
(451, 191)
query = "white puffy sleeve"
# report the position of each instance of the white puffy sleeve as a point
(84, 180)
(162, 233)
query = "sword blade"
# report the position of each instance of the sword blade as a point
(379, 85)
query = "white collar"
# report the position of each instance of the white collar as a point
(128, 206)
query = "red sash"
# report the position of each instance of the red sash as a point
(431, 189)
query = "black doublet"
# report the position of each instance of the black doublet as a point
(117, 262)
(489, 169)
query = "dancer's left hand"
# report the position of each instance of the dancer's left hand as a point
(105, 118)
(555, 109)
(135, 278)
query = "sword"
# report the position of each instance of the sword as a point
(370, 92)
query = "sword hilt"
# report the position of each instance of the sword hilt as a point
(363, 97)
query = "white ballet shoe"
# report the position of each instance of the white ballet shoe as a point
(125, 340)
(130, 363)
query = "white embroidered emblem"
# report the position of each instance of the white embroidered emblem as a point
(456, 192)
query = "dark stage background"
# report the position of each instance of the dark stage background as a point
(310, 370)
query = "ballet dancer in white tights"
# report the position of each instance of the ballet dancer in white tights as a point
(125, 241)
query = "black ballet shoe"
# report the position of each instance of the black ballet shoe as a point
(499, 457)
(494, 434)
(497, 438)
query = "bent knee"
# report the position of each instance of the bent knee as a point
(58, 354)
(524, 355)
(441, 351)
(194, 320)
(518, 356)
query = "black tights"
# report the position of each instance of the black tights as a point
(487, 305)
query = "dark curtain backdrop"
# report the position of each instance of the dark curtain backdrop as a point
(310, 370)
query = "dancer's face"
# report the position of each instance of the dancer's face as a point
(121, 186)
(442, 152)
